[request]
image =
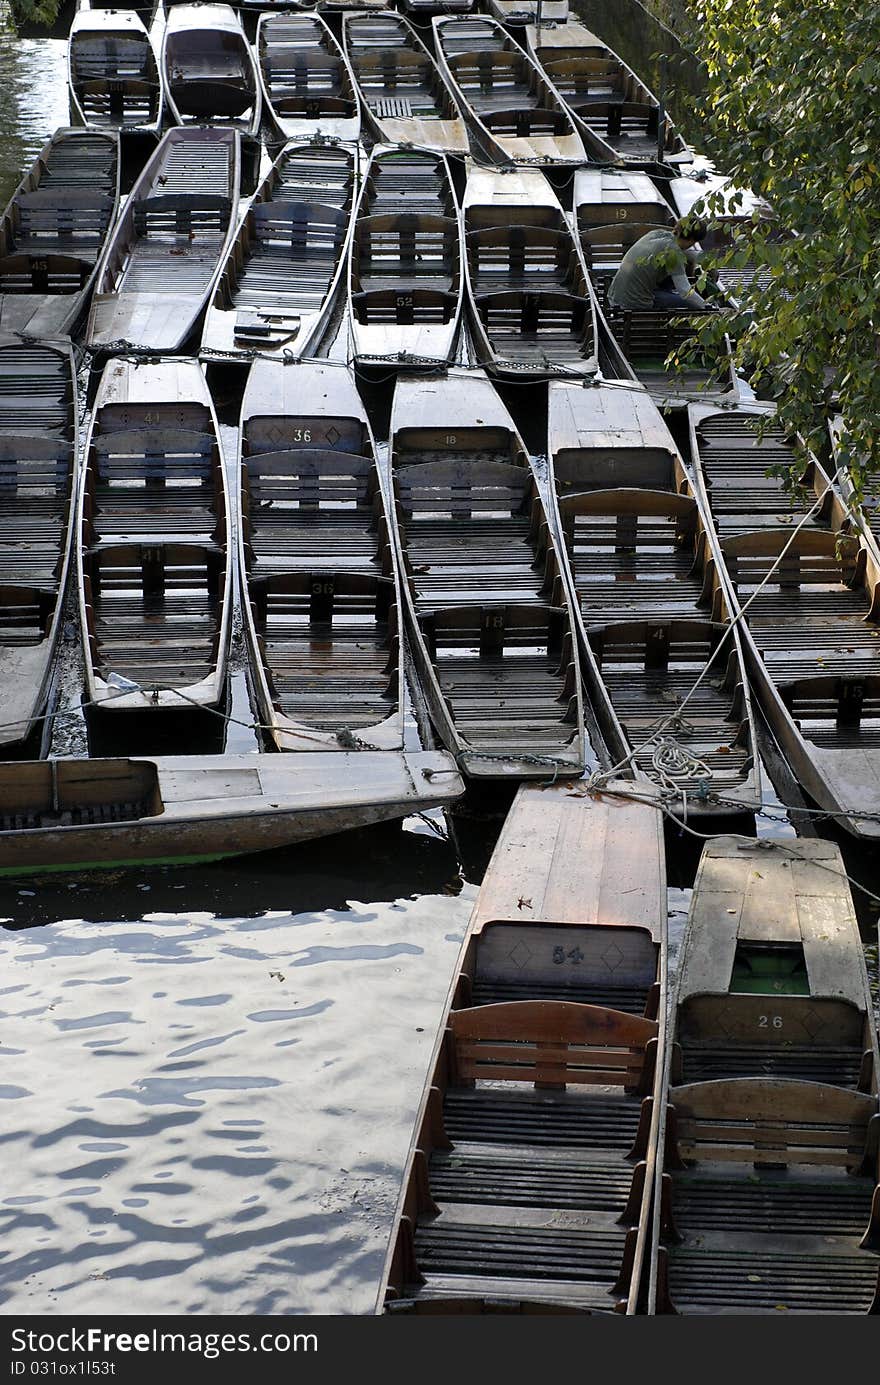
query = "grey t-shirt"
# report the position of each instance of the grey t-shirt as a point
(657, 256)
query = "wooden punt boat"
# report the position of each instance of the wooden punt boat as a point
(324, 6)
(323, 600)
(308, 85)
(38, 422)
(489, 615)
(405, 98)
(532, 307)
(811, 634)
(516, 12)
(618, 118)
(183, 809)
(157, 270)
(53, 231)
(406, 282)
(527, 1187)
(514, 112)
(209, 71)
(428, 8)
(154, 574)
(613, 208)
(112, 72)
(638, 564)
(281, 274)
(769, 1201)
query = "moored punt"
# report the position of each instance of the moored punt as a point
(528, 11)
(811, 632)
(308, 85)
(514, 112)
(209, 71)
(532, 306)
(404, 95)
(618, 118)
(155, 575)
(281, 273)
(322, 602)
(613, 208)
(53, 231)
(640, 572)
(770, 1200)
(112, 72)
(38, 422)
(176, 810)
(527, 1188)
(156, 272)
(418, 8)
(488, 610)
(406, 283)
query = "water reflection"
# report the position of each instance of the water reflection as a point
(33, 101)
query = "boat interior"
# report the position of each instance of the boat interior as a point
(154, 535)
(306, 79)
(528, 1185)
(286, 261)
(114, 75)
(319, 566)
(406, 280)
(770, 1192)
(613, 209)
(208, 67)
(634, 534)
(54, 230)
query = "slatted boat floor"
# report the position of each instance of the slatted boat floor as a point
(36, 390)
(817, 1062)
(735, 462)
(759, 1242)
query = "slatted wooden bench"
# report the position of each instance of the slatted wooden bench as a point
(330, 645)
(521, 257)
(527, 1177)
(511, 652)
(154, 481)
(633, 554)
(153, 610)
(537, 330)
(474, 531)
(777, 1185)
(116, 101)
(313, 507)
(50, 220)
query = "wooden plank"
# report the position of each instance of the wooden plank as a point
(568, 857)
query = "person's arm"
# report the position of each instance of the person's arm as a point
(683, 285)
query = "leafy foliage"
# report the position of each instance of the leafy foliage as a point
(792, 113)
(36, 12)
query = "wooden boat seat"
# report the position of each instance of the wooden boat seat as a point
(25, 611)
(116, 101)
(35, 491)
(605, 246)
(497, 559)
(313, 104)
(151, 481)
(537, 330)
(330, 645)
(632, 554)
(513, 652)
(647, 338)
(404, 307)
(521, 257)
(779, 1206)
(580, 80)
(153, 611)
(311, 506)
(51, 218)
(43, 273)
(215, 95)
(552, 1044)
(194, 217)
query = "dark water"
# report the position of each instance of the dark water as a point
(212, 1075)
